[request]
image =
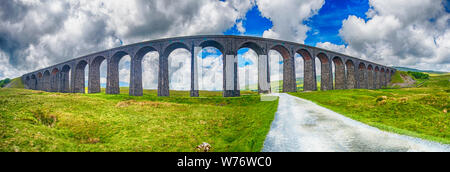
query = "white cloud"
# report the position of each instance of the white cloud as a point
(240, 27)
(287, 17)
(252, 70)
(43, 33)
(411, 33)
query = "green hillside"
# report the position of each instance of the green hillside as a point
(418, 70)
(15, 83)
(40, 121)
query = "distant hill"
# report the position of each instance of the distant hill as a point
(418, 70)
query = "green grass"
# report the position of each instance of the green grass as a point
(419, 112)
(40, 121)
(396, 78)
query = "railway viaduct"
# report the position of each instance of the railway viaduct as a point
(350, 72)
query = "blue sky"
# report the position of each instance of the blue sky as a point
(324, 26)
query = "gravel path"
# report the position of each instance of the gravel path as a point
(302, 126)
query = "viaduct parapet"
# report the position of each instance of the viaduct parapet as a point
(350, 72)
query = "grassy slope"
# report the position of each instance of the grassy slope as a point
(99, 122)
(396, 78)
(15, 83)
(419, 112)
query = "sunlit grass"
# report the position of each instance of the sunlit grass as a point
(420, 112)
(41, 121)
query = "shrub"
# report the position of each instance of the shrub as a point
(4, 82)
(418, 75)
(44, 117)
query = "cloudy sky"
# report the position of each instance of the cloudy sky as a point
(39, 33)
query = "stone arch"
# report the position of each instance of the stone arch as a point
(112, 85)
(143, 51)
(163, 77)
(46, 80)
(289, 81)
(200, 70)
(54, 80)
(174, 46)
(212, 43)
(339, 73)
(64, 83)
(326, 81)
(262, 61)
(377, 77)
(136, 87)
(254, 46)
(350, 77)
(79, 80)
(309, 73)
(94, 85)
(362, 76)
(163, 74)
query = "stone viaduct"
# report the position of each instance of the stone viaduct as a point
(350, 72)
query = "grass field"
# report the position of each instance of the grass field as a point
(420, 112)
(40, 121)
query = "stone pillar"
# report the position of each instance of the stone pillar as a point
(64, 82)
(370, 79)
(60, 82)
(194, 71)
(79, 86)
(52, 82)
(40, 83)
(163, 76)
(376, 81)
(136, 77)
(384, 79)
(289, 81)
(94, 78)
(32, 84)
(37, 83)
(237, 89)
(309, 79)
(339, 76)
(351, 81)
(47, 83)
(229, 75)
(362, 79)
(326, 73)
(112, 79)
(263, 74)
